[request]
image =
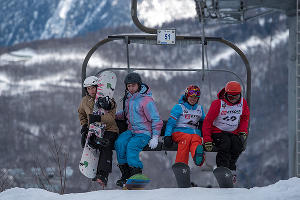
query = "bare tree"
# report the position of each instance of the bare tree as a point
(43, 176)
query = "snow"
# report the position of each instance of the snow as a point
(252, 42)
(282, 190)
(57, 24)
(29, 57)
(17, 56)
(34, 129)
(38, 84)
(157, 12)
(64, 7)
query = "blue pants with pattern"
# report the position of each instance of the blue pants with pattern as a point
(128, 147)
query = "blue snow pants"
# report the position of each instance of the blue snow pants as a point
(128, 147)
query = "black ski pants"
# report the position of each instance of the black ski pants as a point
(105, 157)
(229, 147)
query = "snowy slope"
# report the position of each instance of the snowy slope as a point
(282, 190)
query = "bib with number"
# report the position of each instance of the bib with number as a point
(189, 118)
(229, 116)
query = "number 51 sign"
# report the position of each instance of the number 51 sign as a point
(167, 36)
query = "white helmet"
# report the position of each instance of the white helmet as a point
(90, 81)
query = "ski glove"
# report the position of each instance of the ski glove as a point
(153, 142)
(104, 102)
(243, 138)
(168, 142)
(208, 146)
(94, 118)
(84, 132)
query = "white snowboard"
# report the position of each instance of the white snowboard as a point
(107, 81)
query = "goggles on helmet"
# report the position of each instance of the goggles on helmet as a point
(193, 92)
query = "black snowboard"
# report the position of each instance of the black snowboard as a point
(224, 177)
(182, 175)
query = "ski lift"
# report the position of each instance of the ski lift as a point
(154, 37)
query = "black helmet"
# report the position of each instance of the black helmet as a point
(133, 78)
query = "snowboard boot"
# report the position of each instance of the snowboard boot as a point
(125, 170)
(135, 170)
(101, 178)
(199, 156)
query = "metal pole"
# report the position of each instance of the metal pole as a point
(137, 22)
(87, 58)
(127, 53)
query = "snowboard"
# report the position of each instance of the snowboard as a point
(182, 174)
(106, 84)
(136, 182)
(224, 177)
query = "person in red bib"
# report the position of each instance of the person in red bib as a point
(226, 125)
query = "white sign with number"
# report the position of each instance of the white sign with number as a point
(166, 36)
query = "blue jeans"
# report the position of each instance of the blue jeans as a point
(128, 147)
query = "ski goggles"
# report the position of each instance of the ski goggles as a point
(194, 93)
(232, 97)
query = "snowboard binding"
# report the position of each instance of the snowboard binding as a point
(97, 143)
(104, 103)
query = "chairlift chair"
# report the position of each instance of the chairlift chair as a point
(149, 37)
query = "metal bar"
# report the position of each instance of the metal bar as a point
(127, 53)
(184, 38)
(87, 58)
(259, 15)
(297, 170)
(173, 70)
(247, 65)
(137, 22)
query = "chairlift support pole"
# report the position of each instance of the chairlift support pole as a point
(87, 58)
(297, 145)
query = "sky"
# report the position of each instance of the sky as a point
(282, 190)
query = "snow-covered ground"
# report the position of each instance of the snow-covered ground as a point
(282, 190)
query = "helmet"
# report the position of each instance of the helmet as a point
(192, 90)
(233, 87)
(90, 81)
(133, 78)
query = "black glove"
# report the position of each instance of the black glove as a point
(168, 142)
(208, 146)
(243, 138)
(94, 118)
(97, 143)
(84, 132)
(104, 102)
